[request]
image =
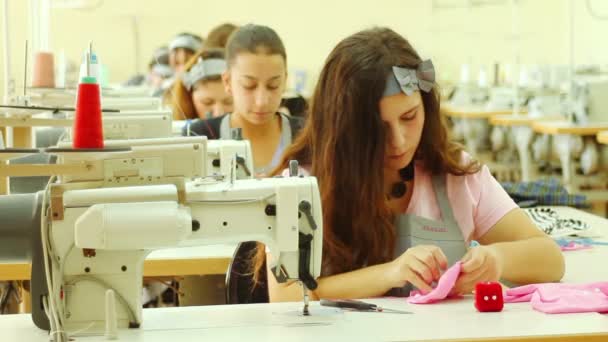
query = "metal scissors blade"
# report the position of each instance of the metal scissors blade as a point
(358, 305)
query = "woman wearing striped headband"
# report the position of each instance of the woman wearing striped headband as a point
(401, 201)
(181, 48)
(200, 93)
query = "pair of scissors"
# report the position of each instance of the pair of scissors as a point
(357, 305)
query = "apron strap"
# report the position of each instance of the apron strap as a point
(225, 128)
(286, 133)
(440, 188)
(284, 140)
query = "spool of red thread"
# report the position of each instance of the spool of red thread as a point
(88, 127)
(44, 70)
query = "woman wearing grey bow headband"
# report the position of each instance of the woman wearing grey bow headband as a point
(199, 93)
(401, 202)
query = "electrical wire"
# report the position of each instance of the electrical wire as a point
(51, 309)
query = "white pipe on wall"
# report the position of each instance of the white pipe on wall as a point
(571, 98)
(515, 31)
(7, 55)
(40, 25)
(34, 25)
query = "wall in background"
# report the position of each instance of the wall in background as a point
(480, 36)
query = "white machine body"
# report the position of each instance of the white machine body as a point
(104, 224)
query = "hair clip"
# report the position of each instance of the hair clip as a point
(408, 80)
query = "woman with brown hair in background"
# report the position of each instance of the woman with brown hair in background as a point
(219, 35)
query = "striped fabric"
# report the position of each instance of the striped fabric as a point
(547, 220)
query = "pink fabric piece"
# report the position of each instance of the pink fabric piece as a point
(555, 298)
(442, 290)
(519, 294)
(573, 246)
(477, 200)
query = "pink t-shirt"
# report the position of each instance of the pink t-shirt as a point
(478, 201)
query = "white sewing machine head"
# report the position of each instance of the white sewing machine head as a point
(137, 125)
(123, 99)
(590, 104)
(102, 223)
(218, 155)
(51, 124)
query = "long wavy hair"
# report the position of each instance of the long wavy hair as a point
(343, 144)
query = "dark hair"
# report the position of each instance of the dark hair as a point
(219, 35)
(343, 141)
(254, 39)
(180, 98)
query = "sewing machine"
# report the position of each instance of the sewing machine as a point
(127, 128)
(120, 125)
(220, 153)
(109, 209)
(110, 99)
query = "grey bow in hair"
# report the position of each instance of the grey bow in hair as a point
(409, 80)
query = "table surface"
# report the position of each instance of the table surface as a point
(564, 127)
(602, 137)
(521, 119)
(203, 260)
(473, 112)
(454, 320)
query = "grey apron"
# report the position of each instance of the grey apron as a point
(415, 230)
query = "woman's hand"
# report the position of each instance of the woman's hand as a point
(481, 263)
(420, 265)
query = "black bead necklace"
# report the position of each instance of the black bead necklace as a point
(399, 189)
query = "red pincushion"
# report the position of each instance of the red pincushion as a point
(488, 297)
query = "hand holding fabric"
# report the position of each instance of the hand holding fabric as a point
(480, 264)
(420, 265)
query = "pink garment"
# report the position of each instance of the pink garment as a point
(574, 246)
(554, 298)
(478, 201)
(442, 290)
